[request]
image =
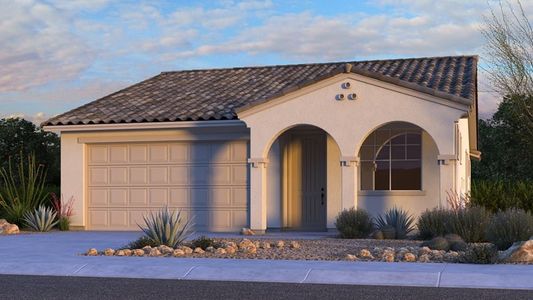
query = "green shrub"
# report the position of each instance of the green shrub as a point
(42, 219)
(437, 243)
(433, 223)
(141, 242)
(64, 224)
(166, 228)
(499, 195)
(354, 223)
(397, 218)
(389, 232)
(469, 223)
(510, 226)
(481, 253)
(21, 191)
(204, 242)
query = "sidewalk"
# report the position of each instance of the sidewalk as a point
(55, 254)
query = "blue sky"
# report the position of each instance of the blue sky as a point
(57, 55)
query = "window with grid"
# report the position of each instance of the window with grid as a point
(391, 159)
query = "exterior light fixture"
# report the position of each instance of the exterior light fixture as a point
(346, 85)
(352, 96)
(339, 97)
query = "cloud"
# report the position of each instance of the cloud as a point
(37, 46)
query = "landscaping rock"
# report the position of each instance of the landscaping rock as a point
(451, 256)
(138, 252)
(92, 252)
(3, 222)
(127, 252)
(365, 254)
(154, 252)
(230, 250)
(351, 257)
(246, 243)
(109, 252)
(295, 245)
(388, 256)
(409, 257)
(199, 250)
(120, 253)
(187, 250)
(10, 229)
(178, 253)
(165, 249)
(230, 244)
(424, 258)
(265, 245)
(247, 231)
(424, 251)
(210, 249)
(519, 252)
(220, 251)
(280, 244)
(147, 249)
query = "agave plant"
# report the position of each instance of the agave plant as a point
(398, 219)
(41, 219)
(166, 228)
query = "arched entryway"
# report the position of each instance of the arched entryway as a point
(305, 161)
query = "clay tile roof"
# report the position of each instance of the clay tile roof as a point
(216, 94)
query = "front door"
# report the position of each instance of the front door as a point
(305, 182)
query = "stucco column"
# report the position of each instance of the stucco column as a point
(349, 182)
(447, 178)
(258, 195)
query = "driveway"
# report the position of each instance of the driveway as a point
(58, 253)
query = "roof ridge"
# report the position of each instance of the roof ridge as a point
(475, 56)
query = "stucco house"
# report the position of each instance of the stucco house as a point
(275, 147)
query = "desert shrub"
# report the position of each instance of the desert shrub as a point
(456, 242)
(437, 243)
(397, 218)
(389, 232)
(41, 219)
(433, 223)
(378, 235)
(480, 253)
(141, 242)
(354, 223)
(205, 242)
(166, 228)
(499, 195)
(63, 209)
(22, 190)
(469, 223)
(509, 226)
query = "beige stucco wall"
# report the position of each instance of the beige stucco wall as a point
(349, 122)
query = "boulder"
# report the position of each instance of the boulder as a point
(92, 252)
(3, 222)
(210, 249)
(154, 252)
(265, 245)
(295, 245)
(199, 250)
(138, 252)
(178, 253)
(351, 257)
(388, 256)
(147, 249)
(519, 252)
(128, 252)
(280, 244)
(164, 249)
(109, 252)
(424, 258)
(365, 254)
(424, 250)
(230, 244)
(245, 243)
(120, 253)
(187, 250)
(451, 256)
(10, 229)
(409, 257)
(247, 231)
(230, 250)
(220, 251)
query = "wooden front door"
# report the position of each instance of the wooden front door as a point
(305, 180)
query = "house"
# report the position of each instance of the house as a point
(276, 147)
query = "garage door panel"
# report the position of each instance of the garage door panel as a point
(118, 175)
(207, 180)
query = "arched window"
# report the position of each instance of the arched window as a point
(391, 158)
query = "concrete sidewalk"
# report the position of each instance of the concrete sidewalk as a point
(57, 254)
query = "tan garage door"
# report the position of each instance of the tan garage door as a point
(207, 180)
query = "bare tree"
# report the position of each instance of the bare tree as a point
(509, 56)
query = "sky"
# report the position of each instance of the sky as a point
(56, 55)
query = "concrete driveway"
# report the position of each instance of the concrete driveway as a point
(58, 253)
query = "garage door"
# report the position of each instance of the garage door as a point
(207, 180)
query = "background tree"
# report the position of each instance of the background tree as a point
(509, 57)
(21, 136)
